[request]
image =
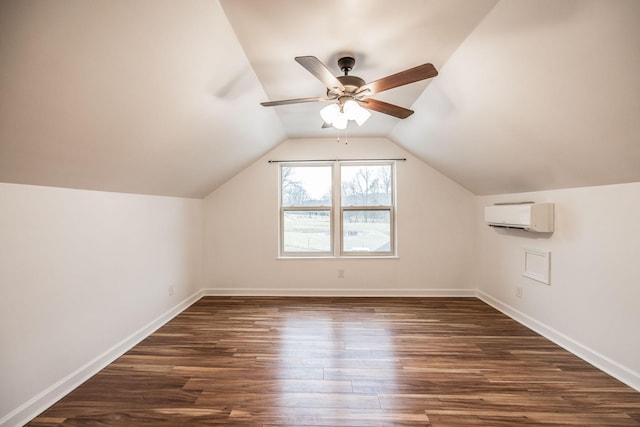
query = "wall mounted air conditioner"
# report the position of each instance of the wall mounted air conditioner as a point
(527, 216)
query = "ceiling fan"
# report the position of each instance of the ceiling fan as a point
(351, 93)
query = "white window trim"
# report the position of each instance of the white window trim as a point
(336, 211)
(292, 254)
(391, 208)
(367, 254)
(282, 209)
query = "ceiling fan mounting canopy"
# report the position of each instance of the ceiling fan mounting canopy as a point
(346, 64)
(352, 88)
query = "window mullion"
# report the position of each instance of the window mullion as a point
(337, 211)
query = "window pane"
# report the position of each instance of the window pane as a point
(307, 231)
(306, 185)
(366, 185)
(366, 231)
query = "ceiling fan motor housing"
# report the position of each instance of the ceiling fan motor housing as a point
(351, 83)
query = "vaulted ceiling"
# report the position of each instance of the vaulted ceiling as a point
(162, 97)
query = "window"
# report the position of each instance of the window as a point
(366, 209)
(339, 208)
(306, 210)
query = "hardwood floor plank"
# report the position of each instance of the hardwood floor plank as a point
(348, 362)
(249, 401)
(269, 386)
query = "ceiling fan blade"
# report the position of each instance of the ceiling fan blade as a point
(295, 101)
(386, 108)
(325, 125)
(322, 73)
(412, 75)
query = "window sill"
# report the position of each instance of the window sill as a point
(336, 258)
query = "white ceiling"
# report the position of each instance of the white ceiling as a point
(162, 97)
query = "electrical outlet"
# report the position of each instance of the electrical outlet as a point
(170, 290)
(340, 274)
(519, 291)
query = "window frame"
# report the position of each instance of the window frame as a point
(390, 252)
(390, 208)
(282, 209)
(336, 212)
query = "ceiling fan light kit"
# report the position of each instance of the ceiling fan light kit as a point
(350, 93)
(338, 115)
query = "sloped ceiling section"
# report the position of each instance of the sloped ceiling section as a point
(163, 97)
(129, 96)
(543, 94)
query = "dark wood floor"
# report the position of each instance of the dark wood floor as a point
(346, 362)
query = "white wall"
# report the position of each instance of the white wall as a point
(82, 271)
(436, 232)
(85, 273)
(593, 303)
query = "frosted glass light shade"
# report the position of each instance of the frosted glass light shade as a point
(332, 115)
(340, 122)
(356, 112)
(351, 109)
(329, 113)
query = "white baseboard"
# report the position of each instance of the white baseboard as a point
(299, 292)
(36, 405)
(621, 373)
